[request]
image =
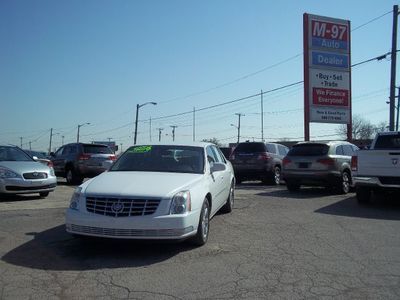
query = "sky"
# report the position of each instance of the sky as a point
(69, 63)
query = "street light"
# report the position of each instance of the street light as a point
(137, 117)
(79, 126)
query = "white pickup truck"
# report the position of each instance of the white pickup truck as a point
(378, 168)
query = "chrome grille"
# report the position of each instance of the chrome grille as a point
(121, 207)
(35, 175)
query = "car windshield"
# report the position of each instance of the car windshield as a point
(309, 150)
(162, 158)
(13, 154)
(97, 149)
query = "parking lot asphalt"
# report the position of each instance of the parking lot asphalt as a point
(274, 245)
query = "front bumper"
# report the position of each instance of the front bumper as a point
(171, 227)
(24, 186)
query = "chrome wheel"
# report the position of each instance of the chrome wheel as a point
(277, 175)
(203, 228)
(205, 223)
(345, 182)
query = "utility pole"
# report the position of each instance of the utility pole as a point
(393, 68)
(30, 145)
(239, 115)
(150, 129)
(397, 108)
(262, 117)
(62, 139)
(51, 136)
(159, 133)
(173, 132)
(21, 140)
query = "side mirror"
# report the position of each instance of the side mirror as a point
(35, 158)
(217, 166)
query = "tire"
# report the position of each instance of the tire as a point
(72, 177)
(227, 208)
(292, 187)
(277, 175)
(363, 195)
(203, 228)
(44, 194)
(345, 183)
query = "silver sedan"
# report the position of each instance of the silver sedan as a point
(20, 174)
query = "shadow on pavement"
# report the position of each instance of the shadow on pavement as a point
(381, 208)
(19, 198)
(303, 193)
(55, 249)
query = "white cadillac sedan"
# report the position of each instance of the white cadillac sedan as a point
(159, 191)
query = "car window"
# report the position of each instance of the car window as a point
(161, 158)
(339, 150)
(222, 155)
(282, 150)
(309, 150)
(217, 155)
(250, 148)
(388, 142)
(271, 148)
(63, 151)
(96, 149)
(348, 150)
(211, 155)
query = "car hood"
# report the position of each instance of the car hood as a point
(142, 184)
(21, 167)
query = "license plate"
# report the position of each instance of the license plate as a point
(304, 165)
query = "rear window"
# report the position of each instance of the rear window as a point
(388, 142)
(250, 148)
(309, 150)
(97, 149)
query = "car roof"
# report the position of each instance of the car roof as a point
(329, 143)
(191, 144)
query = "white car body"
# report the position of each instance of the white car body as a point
(150, 196)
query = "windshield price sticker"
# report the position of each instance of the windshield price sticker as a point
(140, 149)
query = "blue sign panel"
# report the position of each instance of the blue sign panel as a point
(329, 44)
(330, 59)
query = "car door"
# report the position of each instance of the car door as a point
(216, 180)
(227, 173)
(58, 160)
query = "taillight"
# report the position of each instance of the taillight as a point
(326, 161)
(84, 157)
(286, 161)
(112, 157)
(354, 163)
(263, 156)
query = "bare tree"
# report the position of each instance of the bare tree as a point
(362, 129)
(213, 140)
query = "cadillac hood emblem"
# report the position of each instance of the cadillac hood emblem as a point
(395, 161)
(117, 207)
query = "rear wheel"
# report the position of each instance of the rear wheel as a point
(201, 236)
(363, 195)
(277, 175)
(72, 177)
(345, 182)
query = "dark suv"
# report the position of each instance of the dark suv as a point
(77, 161)
(258, 161)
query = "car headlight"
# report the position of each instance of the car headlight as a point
(181, 203)
(7, 173)
(75, 198)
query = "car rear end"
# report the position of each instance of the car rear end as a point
(91, 160)
(310, 164)
(251, 160)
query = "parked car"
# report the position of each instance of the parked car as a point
(377, 169)
(258, 161)
(21, 174)
(77, 161)
(227, 151)
(319, 164)
(155, 192)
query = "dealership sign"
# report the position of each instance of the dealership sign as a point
(327, 79)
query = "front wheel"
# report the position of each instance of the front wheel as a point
(72, 177)
(201, 236)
